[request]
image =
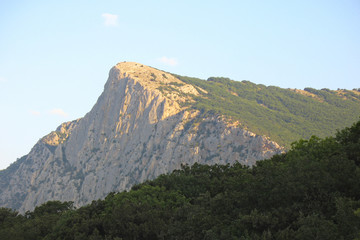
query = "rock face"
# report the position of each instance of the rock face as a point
(138, 129)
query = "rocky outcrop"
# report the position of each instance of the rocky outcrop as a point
(139, 128)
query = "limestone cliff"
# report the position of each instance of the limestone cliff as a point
(138, 129)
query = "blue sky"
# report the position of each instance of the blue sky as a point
(55, 55)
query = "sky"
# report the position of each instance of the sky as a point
(55, 56)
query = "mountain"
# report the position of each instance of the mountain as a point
(148, 122)
(136, 131)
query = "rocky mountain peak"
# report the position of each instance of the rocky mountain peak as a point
(148, 76)
(155, 80)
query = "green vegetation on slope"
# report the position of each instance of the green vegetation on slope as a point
(311, 192)
(281, 114)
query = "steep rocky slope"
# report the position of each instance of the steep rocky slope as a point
(140, 127)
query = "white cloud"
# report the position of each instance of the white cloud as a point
(168, 61)
(34, 113)
(58, 112)
(110, 19)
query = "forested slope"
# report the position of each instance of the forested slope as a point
(284, 115)
(311, 192)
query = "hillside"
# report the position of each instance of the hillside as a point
(311, 192)
(284, 115)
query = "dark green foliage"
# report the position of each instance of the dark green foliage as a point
(34, 225)
(282, 114)
(350, 139)
(311, 192)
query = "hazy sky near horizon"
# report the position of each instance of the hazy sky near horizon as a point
(55, 55)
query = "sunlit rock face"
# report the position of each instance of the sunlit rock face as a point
(139, 128)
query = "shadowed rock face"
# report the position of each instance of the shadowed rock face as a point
(136, 131)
